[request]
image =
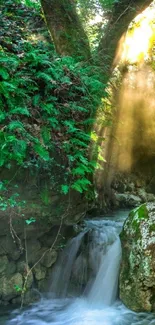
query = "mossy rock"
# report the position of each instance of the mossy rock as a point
(137, 274)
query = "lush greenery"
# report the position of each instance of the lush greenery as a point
(47, 103)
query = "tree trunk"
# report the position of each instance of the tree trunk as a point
(124, 12)
(65, 28)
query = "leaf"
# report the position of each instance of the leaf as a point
(79, 108)
(2, 116)
(79, 143)
(42, 75)
(46, 135)
(81, 185)
(53, 121)
(50, 109)
(64, 189)
(42, 152)
(81, 170)
(3, 73)
(15, 125)
(29, 221)
(20, 110)
(17, 288)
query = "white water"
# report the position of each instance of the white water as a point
(62, 270)
(101, 293)
(97, 305)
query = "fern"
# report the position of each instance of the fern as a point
(14, 125)
(48, 104)
(44, 76)
(42, 152)
(20, 110)
(53, 122)
(79, 143)
(81, 185)
(64, 189)
(4, 73)
(46, 135)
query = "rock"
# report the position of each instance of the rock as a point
(31, 296)
(137, 274)
(24, 269)
(150, 197)
(131, 187)
(151, 186)
(49, 258)
(7, 246)
(11, 268)
(142, 194)
(33, 247)
(121, 187)
(127, 200)
(133, 200)
(3, 263)
(11, 287)
(39, 271)
(139, 183)
(43, 285)
(121, 199)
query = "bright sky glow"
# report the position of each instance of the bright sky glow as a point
(139, 39)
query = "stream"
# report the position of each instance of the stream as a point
(83, 288)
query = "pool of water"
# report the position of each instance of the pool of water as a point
(76, 311)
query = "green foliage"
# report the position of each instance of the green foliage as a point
(29, 221)
(17, 288)
(9, 201)
(47, 107)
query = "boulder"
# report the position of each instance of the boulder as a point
(11, 287)
(133, 200)
(142, 194)
(29, 297)
(49, 258)
(39, 271)
(7, 246)
(137, 273)
(25, 270)
(33, 246)
(127, 199)
(150, 197)
(3, 264)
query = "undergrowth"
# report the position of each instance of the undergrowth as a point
(47, 103)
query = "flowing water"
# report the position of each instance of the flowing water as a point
(84, 283)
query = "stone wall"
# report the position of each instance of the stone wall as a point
(26, 260)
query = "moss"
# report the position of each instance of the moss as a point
(140, 212)
(152, 227)
(136, 215)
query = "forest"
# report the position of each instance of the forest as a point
(77, 156)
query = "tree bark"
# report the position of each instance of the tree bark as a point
(66, 29)
(124, 12)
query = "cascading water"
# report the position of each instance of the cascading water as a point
(90, 261)
(101, 292)
(63, 268)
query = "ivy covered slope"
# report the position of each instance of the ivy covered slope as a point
(47, 109)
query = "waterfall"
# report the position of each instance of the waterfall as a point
(98, 263)
(104, 288)
(92, 259)
(62, 270)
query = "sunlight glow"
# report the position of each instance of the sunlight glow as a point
(130, 140)
(140, 37)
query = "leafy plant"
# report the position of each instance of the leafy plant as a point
(47, 107)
